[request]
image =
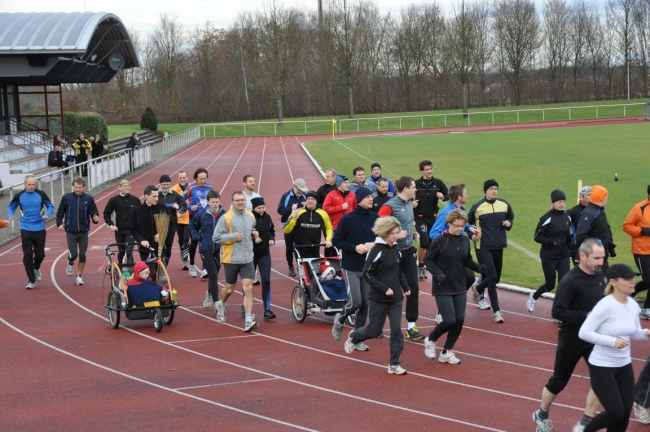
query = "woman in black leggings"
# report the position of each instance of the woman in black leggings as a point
(261, 252)
(610, 326)
(553, 232)
(446, 259)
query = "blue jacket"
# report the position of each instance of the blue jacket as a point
(33, 206)
(202, 227)
(197, 195)
(78, 210)
(286, 203)
(354, 229)
(441, 224)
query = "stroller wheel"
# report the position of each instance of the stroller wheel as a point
(157, 320)
(299, 303)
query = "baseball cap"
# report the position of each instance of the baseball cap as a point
(300, 184)
(621, 271)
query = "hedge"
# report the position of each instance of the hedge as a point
(90, 123)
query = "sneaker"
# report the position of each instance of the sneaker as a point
(530, 304)
(414, 334)
(337, 327)
(256, 281)
(250, 326)
(578, 428)
(207, 303)
(361, 347)
(396, 370)
(243, 312)
(644, 314)
(268, 314)
(438, 318)
(476, 296)
(193, 270)
(641, 413)
(543, 425)
(291, 272)
(31, 286)
(349, 346)
(186, 266)
(381, 335)
(421, 273)
(69, 270)
(498, 318)
(220, 311)
(429, 348)
(78, 280)
(38, 275)
(204, 274)
(483, 304)
(448, 357)
(557, 321)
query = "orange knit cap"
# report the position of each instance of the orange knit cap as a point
(598, 194)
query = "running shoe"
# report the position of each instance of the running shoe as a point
(220, 311)
(578, 428)
(414, 334)
(337, 327)
(193, 270)
(256, 281)
(31, 286)
(448, 357)
(557, 321)
(641, 413)
(421, 273)
(429, 348)
(349, 346)
(438, 318)
(498, 318)
(483, 304)
(207, 303)
(361, 347)
(644, 314)
(204, 274)
(69, 270)
(186, 266)
(543, 425)
(530, 304)
(396, 370)
(291, 272)
(268, 314)
(38, 275)
(78, 280)
(250, 326)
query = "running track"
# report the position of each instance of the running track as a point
(65, 368)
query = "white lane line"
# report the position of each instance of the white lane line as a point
(211, 339)
(284, 150)
(259, 179)
(149, 383)
(289, 380)
(394, 175)
(225, 384)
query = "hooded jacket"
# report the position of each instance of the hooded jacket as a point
(233, 251)
(202, 229)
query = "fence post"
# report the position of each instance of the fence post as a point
(492, 117)
(624, 110)
(517, 116)
(422, 118)
(214, 131)
(445, 120)
(543, 115)
(569, 113)
(305, 128)
(400, 123)
(358, 130)
(468, 120)
(275, 128)
(596, 112)
(244, 129)
(378, 127)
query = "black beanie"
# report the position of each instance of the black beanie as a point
(489, 183)
(165, 179)
(257, 201)
(558, 195)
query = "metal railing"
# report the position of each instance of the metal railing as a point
(175, 142)
(423, 121)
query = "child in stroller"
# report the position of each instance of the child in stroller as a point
(141, 289)
(333, 285)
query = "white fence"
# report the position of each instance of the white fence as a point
(370, 124)
(175, 142)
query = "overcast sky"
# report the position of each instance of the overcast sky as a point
(143, 15)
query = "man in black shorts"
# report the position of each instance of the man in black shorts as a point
(425, 208)
(236, 232)
(576, 295)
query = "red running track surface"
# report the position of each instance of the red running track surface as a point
(65, 368)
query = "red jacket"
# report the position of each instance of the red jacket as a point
(639, 217)
(333, 205)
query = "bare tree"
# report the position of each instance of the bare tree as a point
(167, 45)
(434, 37)
(620, 13)
(556, 20)
(580, 16)
(516, 28)
(610, 53)
(593, 37)
(642, 31)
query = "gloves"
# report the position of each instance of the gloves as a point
(440, 279)
(645, 231)
(483, 270)
(612, 251)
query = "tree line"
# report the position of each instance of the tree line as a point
(348, 58)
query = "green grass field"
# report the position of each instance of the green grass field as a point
(528, 165)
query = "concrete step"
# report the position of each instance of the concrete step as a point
(26, 160)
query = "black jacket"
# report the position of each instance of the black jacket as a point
(322, 193)
(379, 199)
(574, 213)
(54, 157)
(382, 271)
(354, 228)
(97, 149)
(264, 226)
(446, 259)
(576, 295)
(593, 223)
(123, 206)
(143, 223)
(427, 196)
(132, 143)
(169, 199)
(553, 232)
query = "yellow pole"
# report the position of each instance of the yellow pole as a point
(333, 128)
(579, 188)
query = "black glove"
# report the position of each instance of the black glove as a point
(645, 231)
(612, 251)
(440, 278)
(483, 270)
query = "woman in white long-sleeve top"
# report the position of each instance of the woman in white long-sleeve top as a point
(610, 326)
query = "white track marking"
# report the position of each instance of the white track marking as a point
(225, 384)
(287, 159)
(259, 179)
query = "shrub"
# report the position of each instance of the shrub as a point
(90, 123)
(149, 120)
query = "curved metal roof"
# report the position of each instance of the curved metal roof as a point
(81, 35)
